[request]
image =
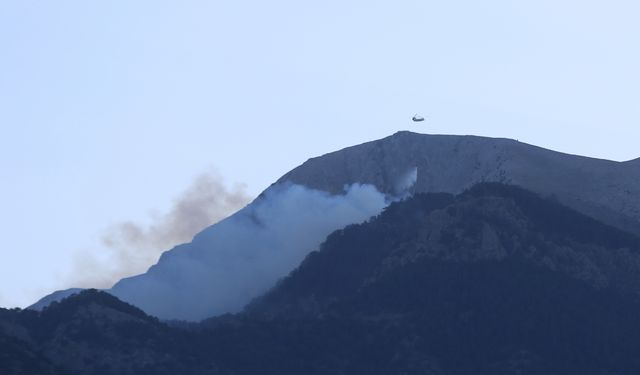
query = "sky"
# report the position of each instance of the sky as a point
(112, 113)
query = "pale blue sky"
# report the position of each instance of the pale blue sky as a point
(108, 109)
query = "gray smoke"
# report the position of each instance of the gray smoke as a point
(241, 257)
(405, 183)
(132, 247)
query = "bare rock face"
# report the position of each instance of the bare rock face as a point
(607, 190)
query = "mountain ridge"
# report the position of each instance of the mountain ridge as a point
(598, 187)
(490, 221)
(362, 179)
(495, 280)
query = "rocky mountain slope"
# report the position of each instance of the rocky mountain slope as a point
(496, 280)
(604, 189)
(236, 260)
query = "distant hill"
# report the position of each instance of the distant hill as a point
(495, 280)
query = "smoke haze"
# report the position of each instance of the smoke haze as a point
(404, 184)
(130, 247)
(241, 257)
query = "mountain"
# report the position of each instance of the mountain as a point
(491, 225)
(494, 280)
(604, 189)
(53, 297)
(92, 332)
(230, 263)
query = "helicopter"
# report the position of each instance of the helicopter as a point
(417, 118)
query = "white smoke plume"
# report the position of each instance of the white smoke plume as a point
(132, 247)
(404, 184)
(241, 257)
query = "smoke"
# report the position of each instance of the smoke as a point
(241, 257)
(130, 247)
(404, 184)
(228, 264)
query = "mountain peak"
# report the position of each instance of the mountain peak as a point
(604, 189)
(94, 304)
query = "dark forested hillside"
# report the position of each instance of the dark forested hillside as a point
(495, 280)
